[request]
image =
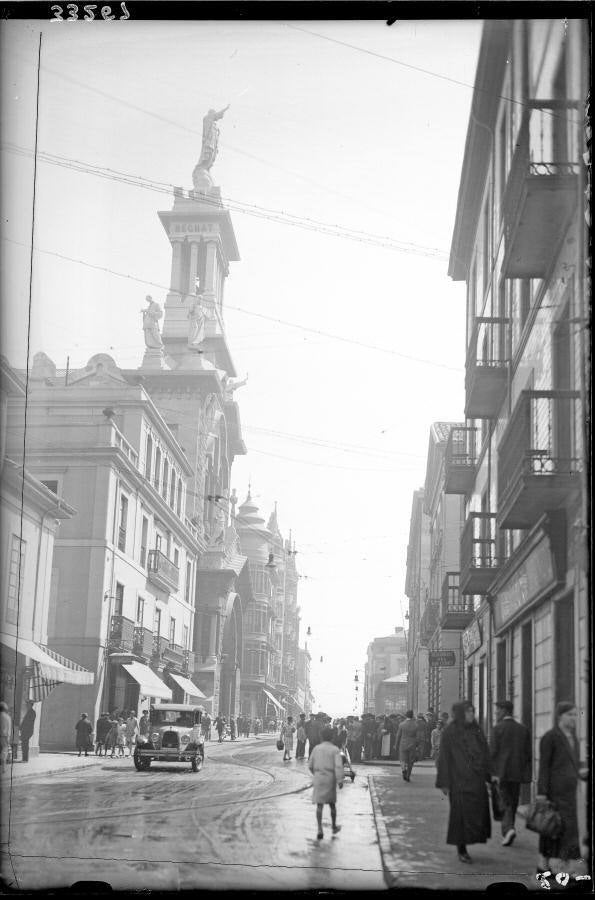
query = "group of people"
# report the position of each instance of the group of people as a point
(114, 733)
(466, 763)
(235, 726)
(26, 729)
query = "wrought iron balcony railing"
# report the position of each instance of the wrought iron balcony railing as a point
(162, 571)
(142, 641)
(479, 553)
(540, 194)
(121, 633)
(173, 654)
(456, 609)
(189, 662)
(160, 644)
(538, 459)
(460, 459)
(487, 369)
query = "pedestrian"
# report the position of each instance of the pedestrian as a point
(557, 781)
(102, 727)
(420, 744)
(131, 731)
(355, 738)
(378, 734)
(26, 728)
(111, 741)
(206, 726)
(314, 733)
(510, 758)
(247, 725)
(144, 724)
(232, 727)
(435, 739)
(385, 739)
(368, 734)
(406, 744)
(301, 737)
(5, 735)
(326, 765)
(240, 725)
(121, 736)
(83, 729)
(257, 727)
(463, 770)
(286, 735)
(220, 727)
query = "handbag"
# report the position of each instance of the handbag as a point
(497, 802)
(280, 745)
(544, 818)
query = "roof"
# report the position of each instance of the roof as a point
(396, 679)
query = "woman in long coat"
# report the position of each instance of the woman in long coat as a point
(84, 730)
(286, 735)
(326, 764)
(557, 782)
(463, 770)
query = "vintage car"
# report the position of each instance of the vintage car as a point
(175, 735)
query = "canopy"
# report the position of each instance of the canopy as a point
(150, 685)
(50, 665)
(188, 686)
(274, 700)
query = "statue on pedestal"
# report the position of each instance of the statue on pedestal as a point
(196, 327)
(210, 137)
(151, 316)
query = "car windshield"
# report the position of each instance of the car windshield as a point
(182, 718)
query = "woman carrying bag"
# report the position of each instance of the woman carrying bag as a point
(286, 738)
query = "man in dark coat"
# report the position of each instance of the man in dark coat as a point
(313, 730)
(406, 744)
(26, 728)
(463, 770)
(510, 756)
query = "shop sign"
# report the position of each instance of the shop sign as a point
(534, 576)
(472, 639)
(193, 228)
(442, 658)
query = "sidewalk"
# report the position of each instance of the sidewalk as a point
(412, 818)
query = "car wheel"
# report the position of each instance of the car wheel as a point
(141, 764)
(196, 764)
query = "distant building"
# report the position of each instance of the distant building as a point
(418, 593)
(386, 656)
(391, 695)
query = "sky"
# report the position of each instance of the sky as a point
(353, 345)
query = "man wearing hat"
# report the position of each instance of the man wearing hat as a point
(510, 751)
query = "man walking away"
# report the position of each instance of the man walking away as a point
(26, 729)
(300, 748)
(406, 744)
(206, 726)
(510, 752)
(102, 727)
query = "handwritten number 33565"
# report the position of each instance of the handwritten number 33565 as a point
(73, 12)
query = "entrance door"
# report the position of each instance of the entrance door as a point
(527, 690)
(564, 650)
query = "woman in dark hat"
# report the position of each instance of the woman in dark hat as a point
(559, 771)
(463, 770)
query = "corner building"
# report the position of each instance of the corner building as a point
(520, 459)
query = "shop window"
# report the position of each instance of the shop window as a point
(501, 671)
(564, 650)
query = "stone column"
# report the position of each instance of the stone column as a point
(193, 267)
(211, 266)
(176, 266)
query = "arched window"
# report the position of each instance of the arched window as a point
(179, 504)
(165, 478)
(149, 457)
(172, 488)
(157, 472)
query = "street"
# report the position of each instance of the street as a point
(245, 821)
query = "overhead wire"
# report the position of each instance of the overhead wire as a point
(343, 339)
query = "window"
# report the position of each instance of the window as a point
(157, 622)
(51, 486)
(119, 599)
(123, 523)
(176, 557)
(158, 542)
(172, 489)
(149, 457)
(165, 478)
(470, 683)
(188, 582)
(157, 472)
(143, 541)
(186, 637)
(179, 503)
(16, 573)
(564, 650)
(140, 610)
(172, 630)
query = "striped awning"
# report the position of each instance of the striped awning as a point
(273, 700)
(187, 686)
(49, 665)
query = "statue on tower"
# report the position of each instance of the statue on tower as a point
(196, 326)
(208, 153)
(151, 316)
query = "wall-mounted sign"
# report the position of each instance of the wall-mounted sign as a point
(442, 658)
(193, 228)
(472, 639)
(534, 577)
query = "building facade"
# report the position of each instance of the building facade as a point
(386, 656)
(417, 589)
(520, 461)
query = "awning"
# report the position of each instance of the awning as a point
(274, 700)
(188, 686)
(150, 684)
(51, 665)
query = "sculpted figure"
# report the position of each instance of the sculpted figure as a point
(151, 316)
(232, 384)
(210, 137)
(196, 316)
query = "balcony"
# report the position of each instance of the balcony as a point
(538, 462)
(160, 644)
(486, 370)
(189, 662)
(541, 193)
(429, 621)
(142, 642)
(174, 655)
(162, 571)
(121, 634)
(460, 459)
(456, 611)
(479, 553)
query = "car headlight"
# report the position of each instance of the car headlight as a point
(155, 736)
(185, 738)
